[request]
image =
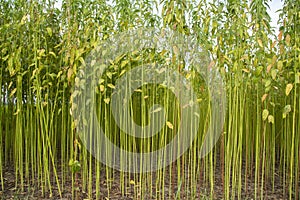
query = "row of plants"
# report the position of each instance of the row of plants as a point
(43, 49)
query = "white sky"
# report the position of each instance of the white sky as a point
(274, 6)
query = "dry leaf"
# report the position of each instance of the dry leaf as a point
(280, 35)
(211, 64)
(288, 39)
(263, 98)
(273, 44)
(269, 67)
(246, 70)
(70, 72)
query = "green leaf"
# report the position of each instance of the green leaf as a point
(273, 74)
(5, 58)
(52, 53)
(124, 63)
(279, 65)
(119, 58)
(49, 30)
(75, 166)
(71, 161)
(268, 83)
(297, 78)
(286, 111)
(109, 75)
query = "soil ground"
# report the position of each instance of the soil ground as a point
(34, 192)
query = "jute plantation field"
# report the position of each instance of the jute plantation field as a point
(84, 87)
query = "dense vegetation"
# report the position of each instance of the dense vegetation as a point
(43, 48)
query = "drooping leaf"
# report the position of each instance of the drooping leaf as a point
(279, 65)
(265, 114)
(111, 86)
(169, 124)
(107, 100)
(157, 110)
(288, 39)
(260, 43)
(286, 110)
(271, 119)
(263, 98)
(288, 89)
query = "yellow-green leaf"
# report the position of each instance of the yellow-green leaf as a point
(288, 89)
(279, 65)
(132, 182)
(49, 30)
(101, 80)
(297, 78)
(268, 83)
(265, 114)
(260, 43)
(271, 119)
(111, 86)
(122, 72)
(52, 53)
(138, 90)
(82, 61)
(169, 124)
(124, 63)
(13, 92)
(156, 110)
(107, 100)
(246, 70)
(101, 88)
(18, 111)
(70, 72)
(109, 75)
(188, 75)
(273, 74)
(286, 110)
